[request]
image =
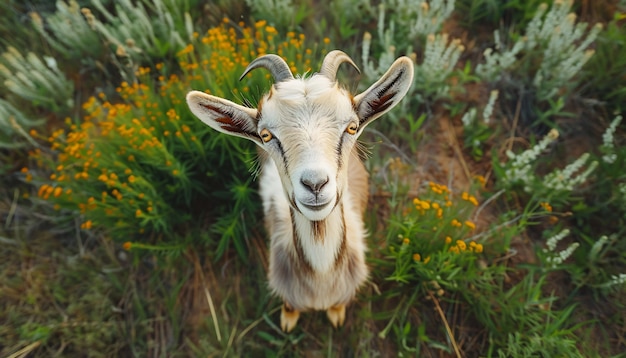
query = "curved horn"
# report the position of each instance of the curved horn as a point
(275, 64)
(332, 61)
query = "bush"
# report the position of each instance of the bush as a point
(143, 168)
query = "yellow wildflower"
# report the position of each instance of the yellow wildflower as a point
(470, 224)
(481, 179)
(546, 206)
(86, 225)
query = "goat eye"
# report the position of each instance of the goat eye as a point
(266, 135)
(352, 128)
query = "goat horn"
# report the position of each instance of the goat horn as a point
(275, 64)
(331, 63)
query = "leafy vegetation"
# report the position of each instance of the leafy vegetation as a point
(498, 197)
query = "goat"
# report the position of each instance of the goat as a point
(313, 185)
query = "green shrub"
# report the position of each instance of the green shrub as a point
(145, 168)
(542, 64)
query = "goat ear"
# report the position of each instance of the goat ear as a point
(224, 115)
(385, 93)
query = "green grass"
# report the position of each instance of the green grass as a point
(119, 254)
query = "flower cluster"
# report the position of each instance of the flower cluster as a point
(424, 18)
(229, 49)
(461, 246)
(476, 132)
(559, 34)
(553, 258)
(144, 163)
(565, 179)
(70, 30)
(282, 12)
(436, 233)
(497, 62)
(616, 280)
(519, 168)
(556, 38)
(441, 55)
(469, 118)
(608, 146)
(36, 80)
(140, 34)
(421, 23)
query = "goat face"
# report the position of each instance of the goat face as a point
(307, 125)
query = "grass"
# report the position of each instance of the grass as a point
(141, 250)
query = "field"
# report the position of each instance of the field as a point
(497, 206)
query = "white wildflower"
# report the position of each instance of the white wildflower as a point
(608, 146)
(488, 110)
(562, 255)
(554, 240)
(597, 247)
(616, 280)
(565, 179)
(469, 117)
(422, 18)
(561, 41)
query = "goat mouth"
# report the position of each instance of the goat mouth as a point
(315, 207)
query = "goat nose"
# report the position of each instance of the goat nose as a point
(314, 181)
